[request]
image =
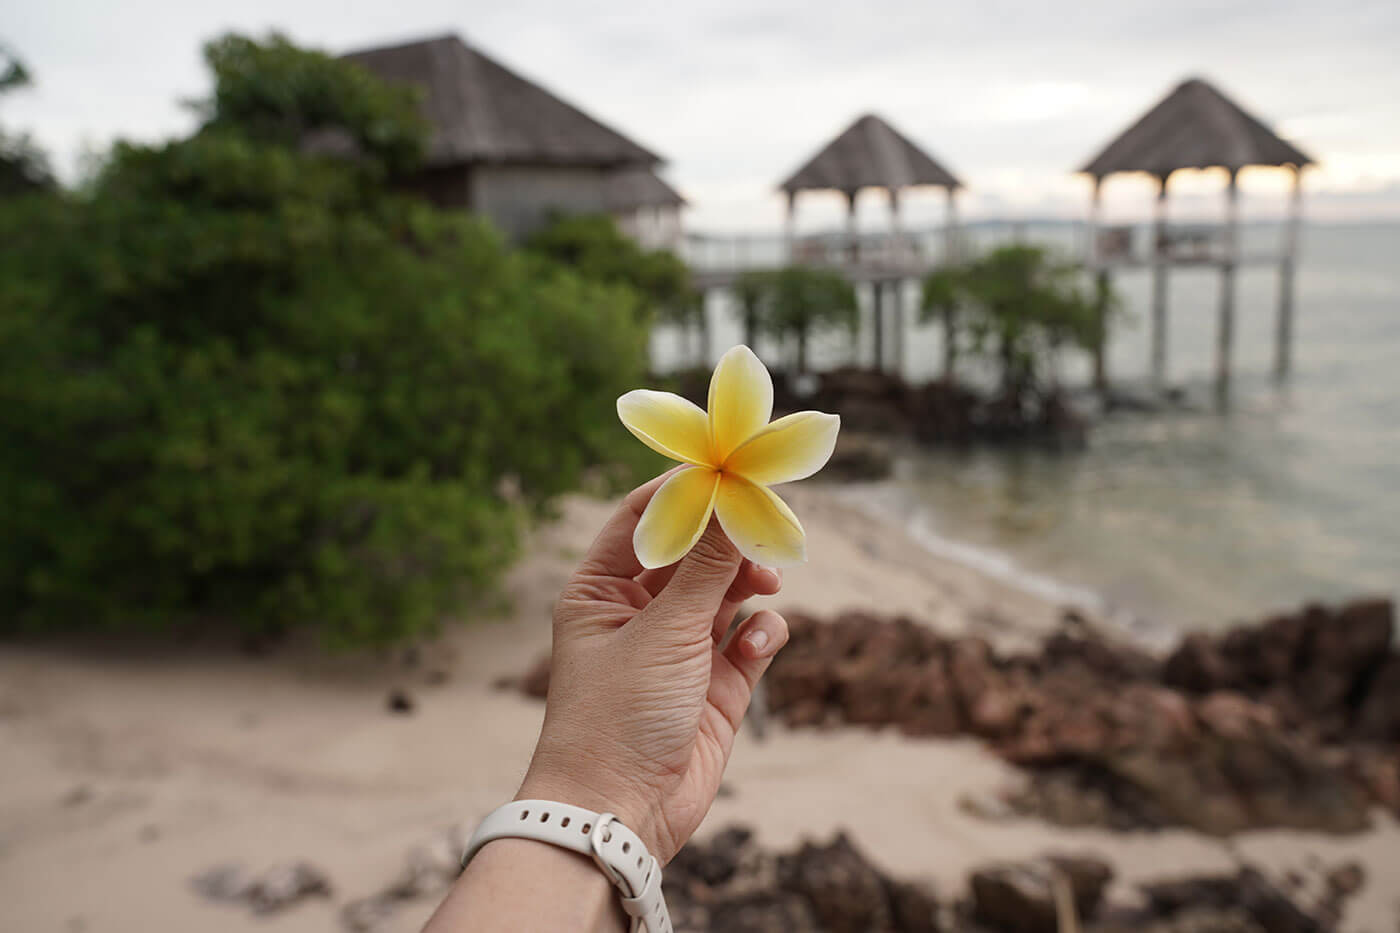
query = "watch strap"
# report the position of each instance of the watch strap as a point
(617, 850)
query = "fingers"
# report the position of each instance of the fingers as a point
(749, 653)
(689, 601)
(612, 554)
(752, 580)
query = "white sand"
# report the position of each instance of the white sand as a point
(194, 758)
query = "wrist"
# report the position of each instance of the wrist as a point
(627, 804)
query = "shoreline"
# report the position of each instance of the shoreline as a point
(128, 773)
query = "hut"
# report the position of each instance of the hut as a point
(504, 147)
(1197, 127)
(872, 154)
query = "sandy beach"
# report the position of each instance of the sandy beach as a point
(128, 770)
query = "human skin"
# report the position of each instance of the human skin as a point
(645, 697)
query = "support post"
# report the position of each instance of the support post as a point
(1283, 337)
(1225, 335)
(1100, 270)
(702, 321)
(896, 256)
(877, 295)
(950, 228)
(790, 228)
(1159, 287)
(950, 346)
(852, 237)
(896, 288)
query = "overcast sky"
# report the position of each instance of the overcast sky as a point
(736, 93)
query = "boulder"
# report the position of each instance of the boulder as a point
(1378, 718)
(1342, 653)
(846, 892)
(1198, 665)
(1019, 897)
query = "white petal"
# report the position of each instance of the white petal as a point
(741, 400)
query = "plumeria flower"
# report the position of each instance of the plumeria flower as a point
(733, 455)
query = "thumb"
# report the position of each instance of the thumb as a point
(694, 593)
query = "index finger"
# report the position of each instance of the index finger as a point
(611, 554)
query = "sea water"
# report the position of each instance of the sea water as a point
(1192, 517)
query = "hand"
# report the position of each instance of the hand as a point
(643, 706)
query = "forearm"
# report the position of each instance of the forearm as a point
(523, 886)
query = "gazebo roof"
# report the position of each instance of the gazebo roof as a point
(869, 154)
(627, 189)
(1195, 126)
(481, 111)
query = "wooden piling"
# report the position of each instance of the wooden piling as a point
(1159, 287)
(1100, 270)
(1225, 335)
(877, 300)
(852, 237)
(896, 288)
(950, 227)
(1283, 336)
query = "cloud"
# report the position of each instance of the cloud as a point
(1011, 96)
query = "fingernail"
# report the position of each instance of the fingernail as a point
(758, 640)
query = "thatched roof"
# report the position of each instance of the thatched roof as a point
(1195, 126)
(870, 154)
(482, 111)
(630, 188)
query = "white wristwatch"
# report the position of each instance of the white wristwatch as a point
(613, 847)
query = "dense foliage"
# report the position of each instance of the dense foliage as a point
(1015, 307)
(242, 382)
(794, 303)
(23, 166)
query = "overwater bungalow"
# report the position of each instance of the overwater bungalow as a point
(1198, 127)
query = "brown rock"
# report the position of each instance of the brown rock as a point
(800, 680)
(1378, 719)
(1267, 654)
(1020, 897)
(926, 704)
(914, 906)
(845, 891)
(1199, 666)
(1341, 655)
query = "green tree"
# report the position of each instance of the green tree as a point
(246, 383)
(272, 91)
(1018, 306)
(752, 288)
(23, 165)
(942, 290)
(593, 245)
(804, 300)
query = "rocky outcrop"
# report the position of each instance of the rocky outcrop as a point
(1258, 728)
(730, 884)
(1322, 670)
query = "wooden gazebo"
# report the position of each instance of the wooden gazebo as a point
(872, 154)
(1197, 127)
